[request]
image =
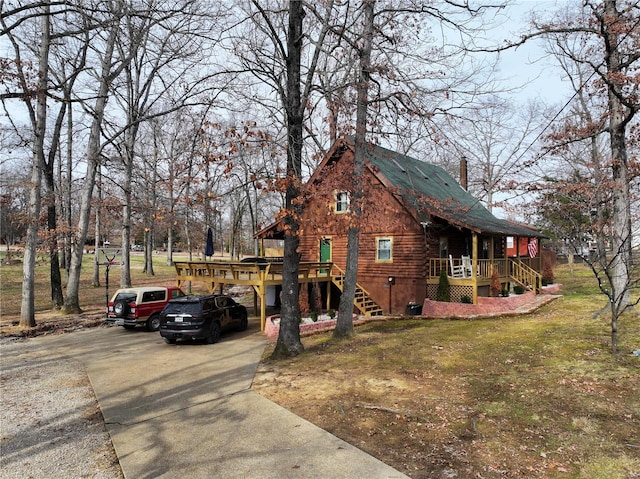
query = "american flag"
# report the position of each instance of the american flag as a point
(533, 247)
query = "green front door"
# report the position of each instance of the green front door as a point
(325, 250)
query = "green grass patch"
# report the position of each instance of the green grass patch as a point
(539, 395)
(91, 297)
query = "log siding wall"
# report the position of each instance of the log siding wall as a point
(384, 217)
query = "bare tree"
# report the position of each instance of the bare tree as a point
(110, 68)
(166, 46)
(53, 83)
(610, 30)
(242, 157)
(278, 62)
(39, 121)
(495, 137)
(344, 323)
(289, 343)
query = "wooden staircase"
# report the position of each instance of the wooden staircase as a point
(362, 301)
(525, 275)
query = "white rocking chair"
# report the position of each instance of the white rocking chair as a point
(457, 271)
(467, 270)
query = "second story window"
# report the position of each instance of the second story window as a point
(384, 251)
(342, 202)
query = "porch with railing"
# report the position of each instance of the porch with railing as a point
(472, 278)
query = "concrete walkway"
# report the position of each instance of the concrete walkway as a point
(187, 411)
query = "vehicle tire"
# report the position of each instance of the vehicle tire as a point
(153, 322)
(170, 340)
(128, 326)
(214, 333)
(121, 308)
(244, 322)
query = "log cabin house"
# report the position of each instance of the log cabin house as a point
(416, 222)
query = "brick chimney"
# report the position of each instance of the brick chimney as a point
(463, 172)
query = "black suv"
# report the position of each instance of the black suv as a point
(201, 317)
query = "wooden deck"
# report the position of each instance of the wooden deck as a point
(216, 274)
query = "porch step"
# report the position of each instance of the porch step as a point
(362, 301)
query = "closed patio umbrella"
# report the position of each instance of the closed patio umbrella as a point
(208, 250)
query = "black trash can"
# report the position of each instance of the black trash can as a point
(414, 309)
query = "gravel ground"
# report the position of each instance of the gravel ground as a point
(50, 423)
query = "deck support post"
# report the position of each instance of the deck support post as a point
(474, 267)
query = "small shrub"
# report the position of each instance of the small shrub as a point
(505, 292)
(314, 316)
(495, 285)
(466, 299)
(547, 273)
(545, 281)
(518, 289)
(303, 300)
(444, 288)
(331, 313)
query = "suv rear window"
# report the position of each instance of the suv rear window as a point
(128, 297)
(183, 308)
(154, 296)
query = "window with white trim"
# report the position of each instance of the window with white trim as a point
(384, 249)
(342, 202)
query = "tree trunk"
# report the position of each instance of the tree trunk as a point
(344, 323)
(169, 246)
(67, 196)
(72, 301)
(125, 270)
(27, 309)
(289, 343)
(98, 210)
(621, 215)
(148, 251)
(57, 298)
(150, 218)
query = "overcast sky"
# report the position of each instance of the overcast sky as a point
(529, 65)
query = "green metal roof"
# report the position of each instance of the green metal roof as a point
(431, 191)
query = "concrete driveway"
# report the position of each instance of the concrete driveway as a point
(188, 411)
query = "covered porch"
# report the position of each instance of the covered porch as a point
(470, 269)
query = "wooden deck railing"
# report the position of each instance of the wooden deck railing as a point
(523, 270)
(245, 273)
